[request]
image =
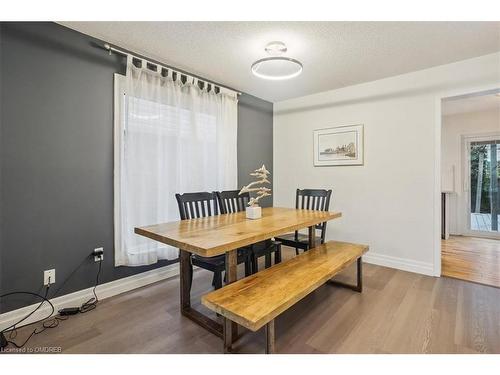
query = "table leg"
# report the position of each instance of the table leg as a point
(312, 237)
(230, 328)
(270, 338)
(186, 278)
(227, 337)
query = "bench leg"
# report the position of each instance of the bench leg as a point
(360, 275)
(359, 286)
(270, 338)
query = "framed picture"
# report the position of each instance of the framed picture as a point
(342, 145)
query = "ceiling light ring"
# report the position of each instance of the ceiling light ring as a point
(277, 58)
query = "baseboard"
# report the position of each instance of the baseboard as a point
(399, 263)
(103, 291)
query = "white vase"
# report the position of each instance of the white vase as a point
(254, 212)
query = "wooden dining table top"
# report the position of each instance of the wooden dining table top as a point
(215, 235)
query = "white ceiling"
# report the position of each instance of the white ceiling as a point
(334, 54)
(473, 103)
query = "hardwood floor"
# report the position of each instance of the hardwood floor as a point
(471, 258)
(398, 312)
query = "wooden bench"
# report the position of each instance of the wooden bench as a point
(255, 301)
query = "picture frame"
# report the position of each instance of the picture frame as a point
(341, 145)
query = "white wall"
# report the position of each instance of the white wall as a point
(392, 202)
(452, 170)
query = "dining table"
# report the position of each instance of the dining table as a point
(225, 234)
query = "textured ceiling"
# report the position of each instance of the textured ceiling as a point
(334, 54)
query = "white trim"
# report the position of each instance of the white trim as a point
(399, 263)
(117, 109)
(437, 189)
(103, 291)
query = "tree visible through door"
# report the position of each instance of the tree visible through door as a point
(484, 180)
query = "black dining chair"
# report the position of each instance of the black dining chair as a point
(203, 204)
(231, 201)
(309, 199)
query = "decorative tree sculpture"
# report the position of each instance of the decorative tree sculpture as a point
(253, 210)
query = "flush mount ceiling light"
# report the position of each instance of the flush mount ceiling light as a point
(276, 67)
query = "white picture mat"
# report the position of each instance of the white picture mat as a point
(338, 136)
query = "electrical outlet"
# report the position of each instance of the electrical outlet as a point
(98, 254)
(49, 274)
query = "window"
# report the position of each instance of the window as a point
(169, 138)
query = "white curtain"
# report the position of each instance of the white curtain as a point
(170, 137)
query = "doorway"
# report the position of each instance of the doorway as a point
(470, 180)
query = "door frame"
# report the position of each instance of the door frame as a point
(465, 167)
(473, 90)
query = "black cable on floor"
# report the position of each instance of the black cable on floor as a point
(47, 324)
(92, 303)
(43, 298)
(12, 329)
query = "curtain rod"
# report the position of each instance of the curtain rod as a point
(111, 49)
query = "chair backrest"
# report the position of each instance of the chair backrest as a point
(231, 201)
(195, 205)
(314, 199)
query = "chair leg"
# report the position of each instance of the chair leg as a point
(296, 251)
(217, 280)
(277, 254)
(248, 267)
(268, 260)
(255, 264)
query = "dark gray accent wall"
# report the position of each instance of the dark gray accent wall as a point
(56, 158)
(1, 226)
(255, 139)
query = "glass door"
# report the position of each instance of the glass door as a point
(483, 207)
